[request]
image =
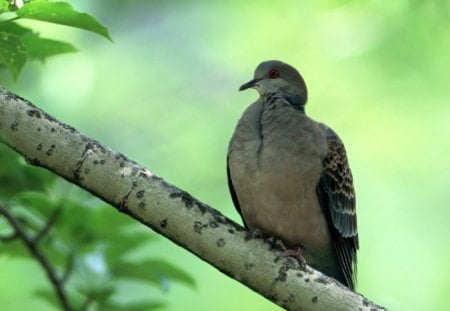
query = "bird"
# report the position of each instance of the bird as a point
(289, 176)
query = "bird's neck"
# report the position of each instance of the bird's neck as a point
(296, 101)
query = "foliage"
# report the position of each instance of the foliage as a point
(19, 44)
(89, 246)
(85, 247)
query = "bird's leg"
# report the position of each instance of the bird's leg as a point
(297, 253)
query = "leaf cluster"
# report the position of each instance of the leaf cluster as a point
(93, 250)
(20, 44)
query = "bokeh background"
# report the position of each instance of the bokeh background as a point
(165, 94)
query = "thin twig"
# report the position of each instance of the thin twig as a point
(86, 303)
(68, 268)
(51, 221)
(53, 218)
(36, 253)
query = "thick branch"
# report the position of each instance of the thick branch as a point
(136, 191)
(40, 257)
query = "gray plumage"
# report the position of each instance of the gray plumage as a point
(289, 175)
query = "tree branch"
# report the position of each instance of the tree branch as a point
(36, 253)
(172, 212)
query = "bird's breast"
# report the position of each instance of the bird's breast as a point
(275, 165)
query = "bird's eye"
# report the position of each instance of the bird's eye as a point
(274, 74)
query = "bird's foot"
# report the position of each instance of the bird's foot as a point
(297, 253)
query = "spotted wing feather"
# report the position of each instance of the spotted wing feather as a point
(337, 198)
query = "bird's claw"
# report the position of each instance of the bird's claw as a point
(297, 253)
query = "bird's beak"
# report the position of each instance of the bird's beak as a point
(249, 84)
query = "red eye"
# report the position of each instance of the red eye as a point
(274, 74)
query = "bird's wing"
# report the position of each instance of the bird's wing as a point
(337, 199)
(233, 193)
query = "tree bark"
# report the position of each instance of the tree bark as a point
(168, 210)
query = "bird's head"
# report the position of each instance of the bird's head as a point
(274, 76)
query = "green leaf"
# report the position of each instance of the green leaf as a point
(120, 245)
(13, 53)
(39, 202)
(40, 48)
(16, 175)
(14, 28)
(4, 6)
(157, 271)
(61, 13)
(15, 249)
(37, 47)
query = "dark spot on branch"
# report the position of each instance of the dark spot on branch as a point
(142, 204)
(39, 147)
(68, 127)
(34, 113)
(307, 280)
(14, 126)
(248, 266)
(38, 129)
(163, 223)
(123, 204)
(322, 280)
(50, 150)
(290, 299)
(220, 242)
(95, 162)
(33, 161)
(122, 164)
(52, 130)
(186, 198)
(231, 231)
(188, 201)
(315, 299)
(198, 227)
(140, 194)
(201, 207)
(102, 161)
(154, 177)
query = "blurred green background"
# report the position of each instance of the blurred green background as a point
(165, 94)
